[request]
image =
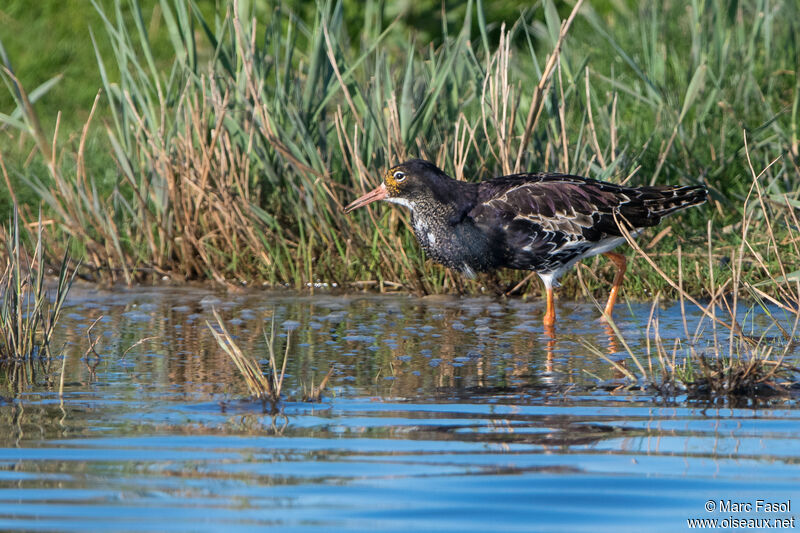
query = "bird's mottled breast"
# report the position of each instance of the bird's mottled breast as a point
(459, 246)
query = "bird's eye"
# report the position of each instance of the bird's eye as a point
(399, 176)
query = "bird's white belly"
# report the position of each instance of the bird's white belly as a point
(550, 279)
(606, 245)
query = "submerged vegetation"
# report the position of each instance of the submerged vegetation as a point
(236, 150)
(264, 386)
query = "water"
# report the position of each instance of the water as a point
(442, 414)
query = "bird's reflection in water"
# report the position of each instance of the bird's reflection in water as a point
(551, 342)
(550, 334)
(613, 344)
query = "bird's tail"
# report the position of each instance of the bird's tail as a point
(663, 201)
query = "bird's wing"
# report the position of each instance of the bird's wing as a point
(548, 219)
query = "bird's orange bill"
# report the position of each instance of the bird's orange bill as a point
(377, 194)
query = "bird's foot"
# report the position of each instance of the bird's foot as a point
(604, 319)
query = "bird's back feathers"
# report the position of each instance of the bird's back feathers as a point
(579, 206)
(551, 220)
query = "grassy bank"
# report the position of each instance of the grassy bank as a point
(235, 150)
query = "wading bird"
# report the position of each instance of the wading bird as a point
(540, 222)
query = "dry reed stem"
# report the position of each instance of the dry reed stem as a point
(92, 342)
(592, 128)
(135, 344)
(342, 84)
(315, 394)
(562, 121)
(257, 383)
(770, 232)
(9, 187)
(629, 238)
(538, 95)
(37, 132)
(727, 375)
(61, 377)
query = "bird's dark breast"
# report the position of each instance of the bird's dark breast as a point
(520, 244)
(460, 246)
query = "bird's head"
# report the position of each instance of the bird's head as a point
(405, 184)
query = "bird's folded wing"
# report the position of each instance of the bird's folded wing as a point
(570, 207)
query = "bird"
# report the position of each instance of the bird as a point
(540, 222)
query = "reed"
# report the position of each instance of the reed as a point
(313, 393)
(28, 311)
(266, 388)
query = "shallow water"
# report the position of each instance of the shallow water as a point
(447, 414)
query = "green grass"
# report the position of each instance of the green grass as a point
(236, 140)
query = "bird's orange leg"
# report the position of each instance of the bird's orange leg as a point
(550, 314)
(622, 265)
